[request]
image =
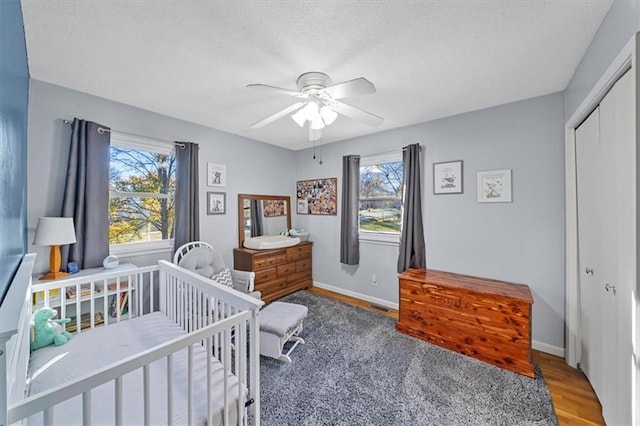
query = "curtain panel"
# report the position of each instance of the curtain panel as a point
(412, 247)
(349, 240)
(187, 218)
(86, 194)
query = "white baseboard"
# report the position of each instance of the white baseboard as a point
(550, 349)
(539, 346)
(360, 296)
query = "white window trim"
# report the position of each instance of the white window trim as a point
(141, 143)
(140, 248)
(380, 238)
(372, 237)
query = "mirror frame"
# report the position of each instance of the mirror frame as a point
(243, 197)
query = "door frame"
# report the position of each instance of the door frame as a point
(624, 61)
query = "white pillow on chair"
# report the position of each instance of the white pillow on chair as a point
(200, 261)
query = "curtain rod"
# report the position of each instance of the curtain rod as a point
(386, 152)
(102, 130)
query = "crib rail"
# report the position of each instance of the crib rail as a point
(222, 319)
(45, 401)
(182, 300)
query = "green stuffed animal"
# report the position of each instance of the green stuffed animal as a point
(48, 330)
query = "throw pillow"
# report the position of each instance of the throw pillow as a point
(223, 277)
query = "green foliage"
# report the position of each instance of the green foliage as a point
(143, 215)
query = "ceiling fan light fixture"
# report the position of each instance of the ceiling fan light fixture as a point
(311, 111)
(317, 123)
(328, 115)
(299, 117)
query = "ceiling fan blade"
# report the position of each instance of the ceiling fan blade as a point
(274, 89)
(347, 89)
(357, 114)
(278, 115)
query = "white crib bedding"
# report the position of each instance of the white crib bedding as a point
(102, 346)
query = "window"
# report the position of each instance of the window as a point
(381, 188)
(142, 182)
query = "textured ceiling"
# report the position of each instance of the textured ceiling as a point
(193, 59)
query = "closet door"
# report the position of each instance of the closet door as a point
(589, 192)
(617, 134)
(606, 165)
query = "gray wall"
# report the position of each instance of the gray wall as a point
(619, 25)
(522, 241)
(252, 167)
(14, 97)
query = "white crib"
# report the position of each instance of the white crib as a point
(183, 352)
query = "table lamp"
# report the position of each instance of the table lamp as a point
(54, 232)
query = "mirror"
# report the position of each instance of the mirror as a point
(260, 215)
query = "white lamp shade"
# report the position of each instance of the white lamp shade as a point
(328, 115)
(299, 118)
(54, 231)
(311, 111)
(317, 123)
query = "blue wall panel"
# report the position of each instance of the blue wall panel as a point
(14, 98)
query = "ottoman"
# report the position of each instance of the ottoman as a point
(280, 322)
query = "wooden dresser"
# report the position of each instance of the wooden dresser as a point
(279, 271)
(485, 319)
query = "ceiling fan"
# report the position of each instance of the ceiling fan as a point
(319, 104)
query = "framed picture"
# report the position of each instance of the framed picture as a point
(447, 177)
(317, 196)
(494, 186)
(273, 208)
(216, 175)
(216, 203)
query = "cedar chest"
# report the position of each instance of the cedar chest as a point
(485, 319)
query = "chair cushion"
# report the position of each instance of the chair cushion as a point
(281, 318)
(199, 260)
(223, 277)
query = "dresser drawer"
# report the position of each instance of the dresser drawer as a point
(269, 260)
(266, 274)
(303, 265)
(271, 286)
(279, 271)
(298, 276)
(286, 269)
(299, 252)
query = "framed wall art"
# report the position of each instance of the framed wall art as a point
(494, 186)
(273, 208)
(216, 202)
(447, 177)
(317, 196)
(216, 175)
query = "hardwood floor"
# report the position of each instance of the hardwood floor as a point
(572, 396)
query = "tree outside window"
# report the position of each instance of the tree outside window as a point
(142, 187)
(381, 197)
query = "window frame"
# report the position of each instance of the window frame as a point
(141, 143)
(379, 237)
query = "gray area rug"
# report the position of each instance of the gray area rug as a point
(355, 368)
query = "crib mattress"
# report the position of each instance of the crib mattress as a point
(102, 346)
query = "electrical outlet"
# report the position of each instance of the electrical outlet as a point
(374, 280)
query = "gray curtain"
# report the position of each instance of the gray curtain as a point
(349, 241)
(187, 219)
(412, 247)
(256, 217)
(86, 194)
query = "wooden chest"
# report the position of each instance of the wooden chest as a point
(485, 319)
(279, 271)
